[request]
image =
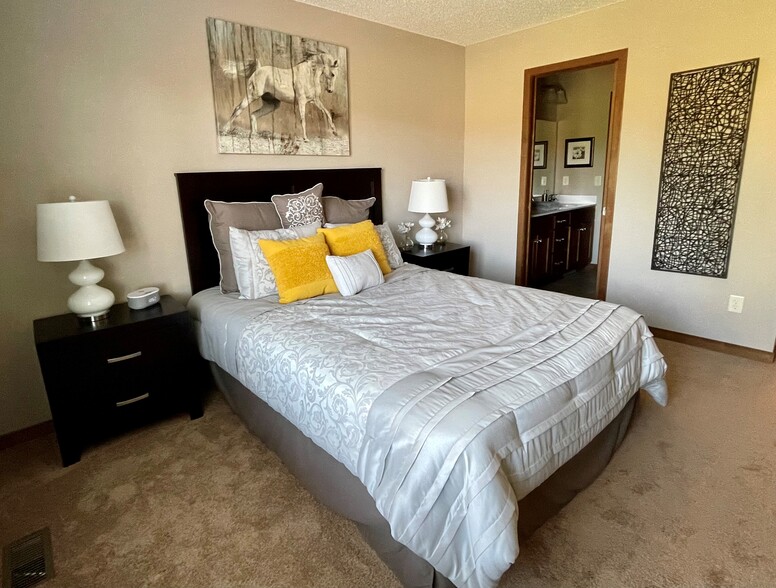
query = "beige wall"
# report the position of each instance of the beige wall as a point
(662, 36)
(106, 100)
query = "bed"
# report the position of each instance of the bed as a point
(446, 405)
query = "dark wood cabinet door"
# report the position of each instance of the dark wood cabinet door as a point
(584, 251)
(541, 248)
(581, 238)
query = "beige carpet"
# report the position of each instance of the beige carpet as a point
(689, 500)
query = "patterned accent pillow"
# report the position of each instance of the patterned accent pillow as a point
(352, 239)
(300, 267)
(252, 272)
(297, 210)
(355, 273)
(389, 244)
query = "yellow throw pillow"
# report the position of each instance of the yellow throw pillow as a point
(351, 239)
(299, 267)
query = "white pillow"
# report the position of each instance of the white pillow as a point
(389, 244)
(254, 276)
(353, 273)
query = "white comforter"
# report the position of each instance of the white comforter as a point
(450, 398)
(450, 451)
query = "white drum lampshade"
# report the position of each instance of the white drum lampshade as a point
(80, 231)
(427, 196)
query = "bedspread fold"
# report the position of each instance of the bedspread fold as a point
(448, 451)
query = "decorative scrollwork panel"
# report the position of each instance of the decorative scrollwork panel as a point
(703, 153)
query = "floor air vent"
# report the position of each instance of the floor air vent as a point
(28, 560)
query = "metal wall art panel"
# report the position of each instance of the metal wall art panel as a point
(276, 93)
(703, 154)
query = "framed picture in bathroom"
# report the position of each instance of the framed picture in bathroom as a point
(579, 152)
(540, 154)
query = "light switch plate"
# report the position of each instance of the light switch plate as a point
(597, 180)
(544, 180)
(565, 180)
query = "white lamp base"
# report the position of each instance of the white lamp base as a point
(426, 236)
(90, 301)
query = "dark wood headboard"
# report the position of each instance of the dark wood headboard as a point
(257, 186)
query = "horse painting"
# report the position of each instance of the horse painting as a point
(276, 93)
(268, 86)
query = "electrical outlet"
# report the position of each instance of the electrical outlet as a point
(544, 180)
(565, 180)
(597, 181)
(736, 304)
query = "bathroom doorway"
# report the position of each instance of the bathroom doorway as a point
(572, 115)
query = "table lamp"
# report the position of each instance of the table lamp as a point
(427, 196)
(80, 231)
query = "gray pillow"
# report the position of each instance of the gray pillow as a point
(298, 210)
(340, 211)
(252, 216)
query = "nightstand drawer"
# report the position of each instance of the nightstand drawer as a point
(151, 348)
(454, 263)
(450, 257)
(137, 363)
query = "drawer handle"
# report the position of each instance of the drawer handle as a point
(132, 400)
(125, 357)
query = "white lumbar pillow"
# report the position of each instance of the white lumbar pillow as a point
(354, 273)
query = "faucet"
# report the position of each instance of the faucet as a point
(547, 197)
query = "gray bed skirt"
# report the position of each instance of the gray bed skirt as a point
(333, 484)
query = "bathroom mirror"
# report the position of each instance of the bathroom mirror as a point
(549, 94)
(545, 145)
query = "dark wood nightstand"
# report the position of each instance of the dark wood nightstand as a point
(136, 366)
(449, 257)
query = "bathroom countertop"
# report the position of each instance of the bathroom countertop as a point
(545, 208)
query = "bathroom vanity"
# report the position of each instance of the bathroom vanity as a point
(561, 240)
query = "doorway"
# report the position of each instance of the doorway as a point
(566, 241)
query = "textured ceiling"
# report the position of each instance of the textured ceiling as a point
(462, 22)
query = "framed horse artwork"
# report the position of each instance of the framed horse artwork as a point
(276, 93)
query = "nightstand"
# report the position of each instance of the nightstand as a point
(104, 378)
(449, 257)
